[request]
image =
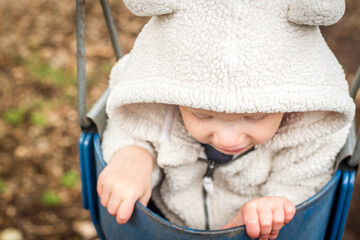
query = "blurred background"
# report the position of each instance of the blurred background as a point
(40, 188)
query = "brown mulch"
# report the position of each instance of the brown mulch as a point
(35, 157)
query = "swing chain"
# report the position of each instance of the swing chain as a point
(81, 63)
(88, 121)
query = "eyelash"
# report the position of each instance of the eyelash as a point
(201, 119)
(247, 118)
(256, 120)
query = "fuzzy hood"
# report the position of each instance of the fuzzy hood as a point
(234, 56)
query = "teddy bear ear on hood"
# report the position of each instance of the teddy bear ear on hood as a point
(315, 12)
(144, 8)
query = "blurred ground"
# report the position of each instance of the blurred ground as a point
(39, 174)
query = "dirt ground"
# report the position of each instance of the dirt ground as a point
(40, 190)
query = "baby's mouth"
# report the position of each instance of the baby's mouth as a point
(234, 150)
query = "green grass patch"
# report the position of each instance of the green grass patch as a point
(14, 116)
(50, 198)
(38, 118)
(34, 111)
(3, 186)
(70, 179)
(49, 74)
(63, 80)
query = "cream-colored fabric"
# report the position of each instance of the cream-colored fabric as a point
(315, 12)
(310, 12)
(292, 164)
(221, 55)
(231, 56)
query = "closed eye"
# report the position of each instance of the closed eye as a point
(255, 118)
(201, 116)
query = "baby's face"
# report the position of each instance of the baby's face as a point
(230, 133)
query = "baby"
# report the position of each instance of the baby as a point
(225, 113)
(128, 175)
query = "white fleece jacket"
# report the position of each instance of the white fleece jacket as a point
(296, 163)
(234, 56)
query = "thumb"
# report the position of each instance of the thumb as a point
(144, 200)
(236, 221)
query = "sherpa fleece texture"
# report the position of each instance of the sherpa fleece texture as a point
(231, 56)
(296, 163)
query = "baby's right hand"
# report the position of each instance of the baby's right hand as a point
(125, 180)
(264, 217)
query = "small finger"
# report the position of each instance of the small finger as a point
(289, 210)
(263, 238)
(236, 221)
(104, 198)
(99, 188)
(265, 219)
(251, 221)
(278, 220)
(144, 199)
(273, 235)
(113, 205)
(124, 211)
(233, 223)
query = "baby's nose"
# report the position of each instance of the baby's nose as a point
(229, 138)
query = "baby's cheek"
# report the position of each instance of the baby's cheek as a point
(264, 137)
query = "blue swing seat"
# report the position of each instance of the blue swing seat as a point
(323, 216)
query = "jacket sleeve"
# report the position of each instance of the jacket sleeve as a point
(300, 171)
(114, 139)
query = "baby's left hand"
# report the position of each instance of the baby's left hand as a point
(264, 217)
